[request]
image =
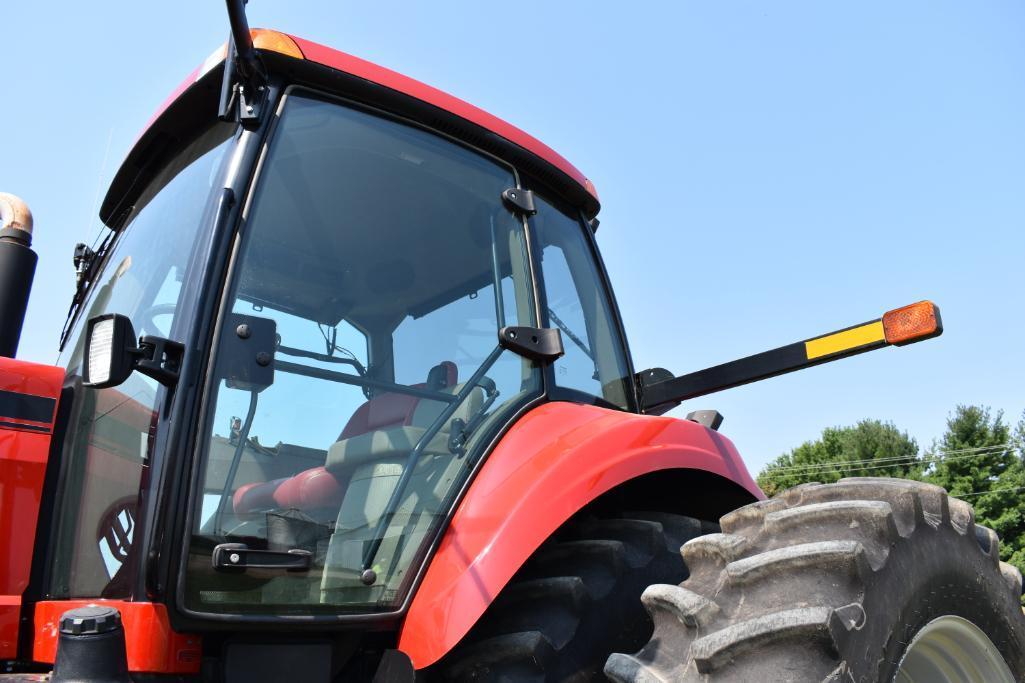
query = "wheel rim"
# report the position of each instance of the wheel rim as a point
(950, 649)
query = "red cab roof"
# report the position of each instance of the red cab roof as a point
(342, 61)
(309, 51)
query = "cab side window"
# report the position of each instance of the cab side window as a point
(595, 361)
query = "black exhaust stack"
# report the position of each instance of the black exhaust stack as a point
(17, 267)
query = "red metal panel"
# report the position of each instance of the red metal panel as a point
(24, 449)
(553, 461)
(151, 644)
(342, 61)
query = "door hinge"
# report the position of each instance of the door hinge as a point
(519, 201)
(542, 344)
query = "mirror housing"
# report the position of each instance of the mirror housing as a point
(111, 354)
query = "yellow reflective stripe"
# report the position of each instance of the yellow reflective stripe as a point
(845, 341)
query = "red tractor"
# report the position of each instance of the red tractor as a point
(344, 394)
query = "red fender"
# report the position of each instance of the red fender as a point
(550, 464)
(28, 407)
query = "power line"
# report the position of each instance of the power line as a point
(896, 461)
(982, 493)
(952, 452)
(873, 462)
(872, 468)
(843, 466)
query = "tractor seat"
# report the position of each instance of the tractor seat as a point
(318, 491)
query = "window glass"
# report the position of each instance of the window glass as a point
(110, 446)
(366, 281)
(594, 362)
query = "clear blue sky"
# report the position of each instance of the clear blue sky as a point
(769, 171)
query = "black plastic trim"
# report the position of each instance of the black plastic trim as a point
(18, 406)
(23, 427)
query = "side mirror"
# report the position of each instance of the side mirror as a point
(111, 354)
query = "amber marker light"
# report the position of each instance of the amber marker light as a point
(263, 39)
(913, 323)
(275, 41)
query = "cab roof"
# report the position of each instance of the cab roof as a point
(305, 62)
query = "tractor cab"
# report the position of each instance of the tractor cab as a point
(389, 301)
(344, 395)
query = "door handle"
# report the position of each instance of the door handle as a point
(237, 557)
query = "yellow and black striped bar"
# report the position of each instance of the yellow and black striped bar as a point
(898, 327)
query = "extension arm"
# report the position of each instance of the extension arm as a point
(661, 391)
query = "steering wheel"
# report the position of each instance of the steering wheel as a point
(147, 317)
(115, 533)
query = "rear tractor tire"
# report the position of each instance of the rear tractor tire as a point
(575, 601)
(860, 581)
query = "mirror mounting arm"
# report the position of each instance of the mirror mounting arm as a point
(160, 359)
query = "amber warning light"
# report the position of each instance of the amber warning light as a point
(909, 324)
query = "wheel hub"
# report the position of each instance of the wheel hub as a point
(950, 649)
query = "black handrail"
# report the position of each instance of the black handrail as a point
(368, 577)
(355, 380)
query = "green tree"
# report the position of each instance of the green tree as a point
(871, 448)
(992, 479)
(1011, 524)
(973, 454)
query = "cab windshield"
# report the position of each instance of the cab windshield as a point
(357, 376)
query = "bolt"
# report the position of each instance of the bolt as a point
(263, 359)
(234, 558)
(368, 577)
(243, 331)
(249, 109)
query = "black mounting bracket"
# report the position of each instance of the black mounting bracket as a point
(83, 260)
(160, 359)
(519, 201)
(543, 344)
(707, 418)
(244, 86)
